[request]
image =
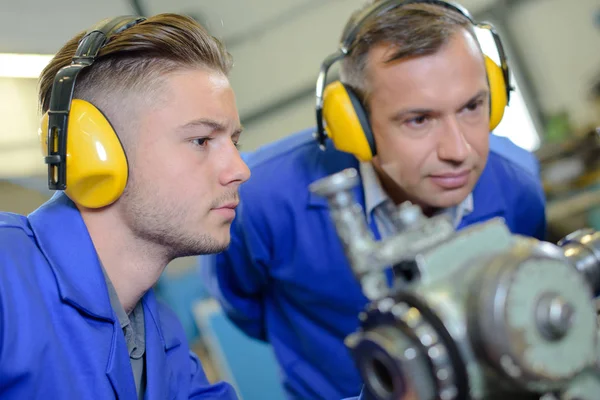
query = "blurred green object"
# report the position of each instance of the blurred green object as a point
(594, 218)
(593, 215)
(558, 127)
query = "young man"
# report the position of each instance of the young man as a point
(78, 318)
(430, 103)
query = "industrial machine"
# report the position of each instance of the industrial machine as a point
(473, 314)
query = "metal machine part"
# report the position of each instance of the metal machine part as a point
(485, 314)
(583, 249)
(370, 258)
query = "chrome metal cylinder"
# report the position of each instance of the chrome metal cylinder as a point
(582, 248)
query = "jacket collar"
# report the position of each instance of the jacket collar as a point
(160, 319)
(64, 239)
(159, 371)
(488, 199)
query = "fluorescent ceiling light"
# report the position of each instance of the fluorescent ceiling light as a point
(22, 65)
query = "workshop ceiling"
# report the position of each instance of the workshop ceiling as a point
(38, 26)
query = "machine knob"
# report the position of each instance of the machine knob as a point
(554, 316)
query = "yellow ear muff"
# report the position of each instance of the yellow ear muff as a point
(346, 122)
(498, 98)
(96, 164)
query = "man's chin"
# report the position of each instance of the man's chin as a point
(222, 242)
(209, 244)
(449, 198)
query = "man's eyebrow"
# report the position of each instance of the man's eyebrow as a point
(209, 123)
(479, 95)
(424, 111)
(410, 111)
(203, 122)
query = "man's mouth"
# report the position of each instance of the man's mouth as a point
(231, 206)
(451, 180)
(226, 210)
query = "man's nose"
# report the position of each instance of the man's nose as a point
(452, 145)
(236, 171)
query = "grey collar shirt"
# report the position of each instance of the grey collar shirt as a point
(135, 336)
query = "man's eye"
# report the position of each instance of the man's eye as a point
(418, 121)
(475, 105)
(201, 142)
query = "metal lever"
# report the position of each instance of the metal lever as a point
(346, 214)
(369, 258)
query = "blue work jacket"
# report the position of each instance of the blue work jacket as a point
(285, 279)
(59, 336)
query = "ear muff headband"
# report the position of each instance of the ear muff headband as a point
(337, 110)
(83, 153)
(382, 7)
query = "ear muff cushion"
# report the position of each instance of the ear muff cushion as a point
(96, 164)
(498, 98)
(346, 121)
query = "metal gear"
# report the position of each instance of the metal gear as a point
(415, 325)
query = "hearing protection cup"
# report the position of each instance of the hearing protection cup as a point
(342, 117)
(84, 154)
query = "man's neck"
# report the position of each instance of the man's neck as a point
(132, 264)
